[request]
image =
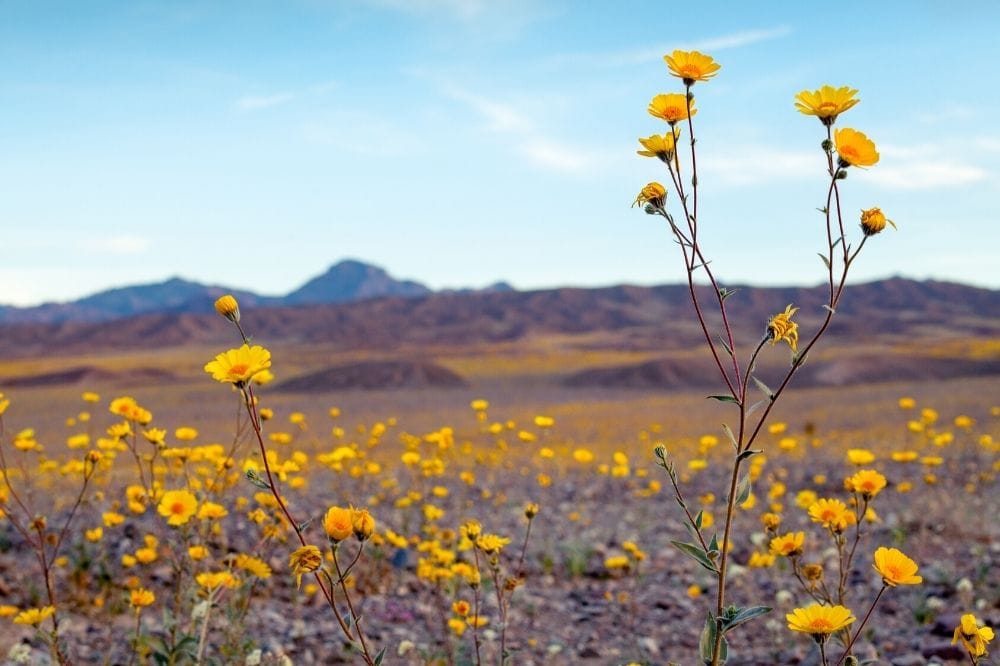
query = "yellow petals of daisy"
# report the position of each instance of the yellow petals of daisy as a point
(691, 66)
(238, 366)
(660, 146)
(819, 621)
(896, 568)
(854, 148)
(672, 107)
(34, 616)
(826, 103)
(873, 221)
(140, 598)
(177, 506)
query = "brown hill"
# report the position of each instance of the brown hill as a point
(373, 375)
(653, 318)
(686, 374)
(88, 375)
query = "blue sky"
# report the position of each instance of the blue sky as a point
(459, 142)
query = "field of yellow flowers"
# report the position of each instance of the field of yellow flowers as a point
(216, 523)
(140, 527)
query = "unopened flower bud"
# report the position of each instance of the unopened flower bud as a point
(228, 308)
(873, 221)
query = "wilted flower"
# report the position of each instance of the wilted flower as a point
(691, 66)
(781, 327)
(363, 524)
(304, 560)
(973, 637)
(854, 148)
(896, 568)
(826, 103)
(653, 194)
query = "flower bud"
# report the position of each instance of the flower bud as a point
(363, 523)
(228, 308)
(873, 221)
(530, 510)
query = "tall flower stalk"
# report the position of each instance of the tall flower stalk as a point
(842, 150)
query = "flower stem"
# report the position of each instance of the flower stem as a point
(847, 650)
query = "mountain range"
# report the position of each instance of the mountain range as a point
(347, 281)
(892, 313)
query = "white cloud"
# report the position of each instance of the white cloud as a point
(464, 9)
(364, 135)
(500, 117)
(123, 244)
(556, 156)
(654, 53)
(254, 102)
(753, 165)
(925, 175)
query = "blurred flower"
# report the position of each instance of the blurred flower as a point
(860, 456)
(896, 568)
(256, 567)
(211, 580)
(34, 616)
(363, 524)
(826, 103)
(177, 506)
(819, 621)
(140, 597)
(691, 66)
(789, 544)
(854, 148)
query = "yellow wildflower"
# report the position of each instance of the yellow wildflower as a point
(691, 66)
(140, 597)
(671, 107)
(896, 568)
(238, 366)
(211, 580)
(866, 482)
(34, 616)
(788, 545)
(228, 307)
(854, 148)
(826, 103)
(304, 560)
(973, 637)
(874, 220)
(177, 506)
(661, 146)
(819, 621)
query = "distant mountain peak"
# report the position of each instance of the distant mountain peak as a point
(353, 280)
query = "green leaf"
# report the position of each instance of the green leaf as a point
(723, 398)
(255, 479)
(729, 433)
(826, 262)
(726, 293)
(744, 615)
(749, 453)
(724, 344)
(379, 657)
(695, 553)
(743, 489)
(698, 518)
(764, 388)
(713, 545)
(706, 643)
(757, 405)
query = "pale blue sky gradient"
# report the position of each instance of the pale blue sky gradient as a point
(459, 142)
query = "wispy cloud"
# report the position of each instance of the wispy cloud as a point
(363, 134)
(753, 165)
(926, 175)
(255, 102)
(631, 57)
(528, 140)
(921, 166)
(463, 9)
(124, 244)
